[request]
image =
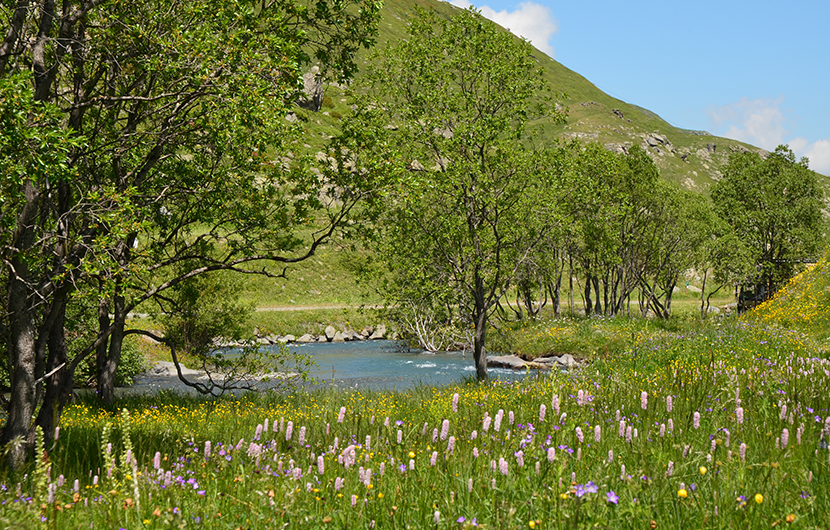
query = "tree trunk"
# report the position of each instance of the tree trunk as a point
(589, 305)
(480, 321)
(22, 338)
(570, 284)
(605, 293)
(598, 306)
(59, 377)
(108, 365)
(669, 294)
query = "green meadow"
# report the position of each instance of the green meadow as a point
(723, 424)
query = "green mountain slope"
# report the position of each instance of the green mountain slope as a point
(803, 304)
(692, 158)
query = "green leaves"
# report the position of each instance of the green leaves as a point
(774, 207)
(464, 196)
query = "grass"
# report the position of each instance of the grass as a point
(511, 456)
(315, 321)
(590, 110)
(803, 304)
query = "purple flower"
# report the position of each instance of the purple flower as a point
(461, 519)
(582, 489)
(612, 497)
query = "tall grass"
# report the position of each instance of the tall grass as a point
(803, 304)
(742, 445)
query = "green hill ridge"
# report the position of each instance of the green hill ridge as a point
(693, 159)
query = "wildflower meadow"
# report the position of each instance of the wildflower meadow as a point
(721, 427)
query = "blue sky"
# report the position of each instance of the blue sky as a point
(755, 71)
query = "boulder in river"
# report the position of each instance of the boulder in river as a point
(330, 332)
(378, 333)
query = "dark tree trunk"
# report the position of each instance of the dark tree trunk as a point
(605, 294)
(59, 378)
(480, 322)
(108, 363)
(589, 305)
(479, 351)
(598, 306)
(22, 339)
(570, 284)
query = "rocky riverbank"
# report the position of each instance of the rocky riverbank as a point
(331, 334)
(560, 362)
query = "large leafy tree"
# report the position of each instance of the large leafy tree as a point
(774, 207)
(469, 208)
(183, 169)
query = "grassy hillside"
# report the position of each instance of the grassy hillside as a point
(804, 304)
(692, 158)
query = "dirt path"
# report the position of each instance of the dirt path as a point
(316, 307)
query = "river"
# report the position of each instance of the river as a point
(375, 364)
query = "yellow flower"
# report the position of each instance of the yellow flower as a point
(759, 498)
(563, 495)
(791, 518)
(380, 495)
(682, 493)
(532, 524)
(702, 470)
(412, 454)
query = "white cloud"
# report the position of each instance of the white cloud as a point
(818, 152)
(755, 121)
(762, 122)
(531, 20)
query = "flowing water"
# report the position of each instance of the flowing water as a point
(376, 364)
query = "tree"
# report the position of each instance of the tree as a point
(773, 205)
(182, 170)
(469, 208)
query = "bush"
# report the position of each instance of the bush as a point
(132, 363)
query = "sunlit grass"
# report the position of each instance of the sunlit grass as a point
(501, 470)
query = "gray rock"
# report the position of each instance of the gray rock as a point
(351, 334)
(366, 332)
(308, 337)
(553, 359)
(312, 90)
(693, 288)
(379, 333)
(323, 338)
(338, 337)
(330, 332)
(711, 147)
(567, 360)
(505, 361)
(288, 339)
